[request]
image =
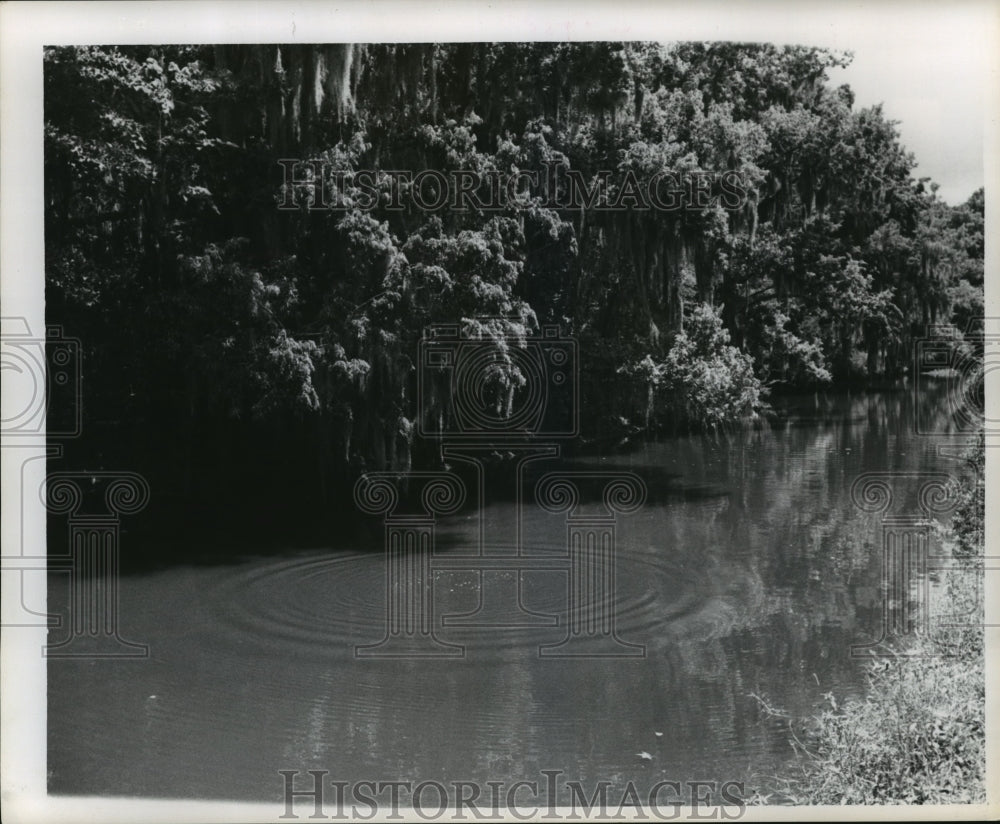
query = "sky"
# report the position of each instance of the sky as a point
(933, 80)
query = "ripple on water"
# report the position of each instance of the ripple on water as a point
(334, 602)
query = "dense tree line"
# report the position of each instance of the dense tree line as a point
(252, 346)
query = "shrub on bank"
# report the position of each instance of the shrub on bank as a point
(703, 381)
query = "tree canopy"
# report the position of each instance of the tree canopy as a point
(220, 313)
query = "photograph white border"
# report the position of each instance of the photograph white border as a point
(26, 27)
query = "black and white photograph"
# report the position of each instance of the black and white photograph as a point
(434, 412)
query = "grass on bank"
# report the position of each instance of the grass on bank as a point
(918, 736)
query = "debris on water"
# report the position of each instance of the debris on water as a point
(658, 734)
(645, 756)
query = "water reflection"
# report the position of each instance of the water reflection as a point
(748, 571)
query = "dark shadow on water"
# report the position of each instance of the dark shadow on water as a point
(154, 543)
(674, 470)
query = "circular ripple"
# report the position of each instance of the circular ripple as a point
(336, 602)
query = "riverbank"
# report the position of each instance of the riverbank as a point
(918, 736)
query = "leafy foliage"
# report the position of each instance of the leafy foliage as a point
(205, 306)
(702, 380)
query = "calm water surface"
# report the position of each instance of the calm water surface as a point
(748, 571)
